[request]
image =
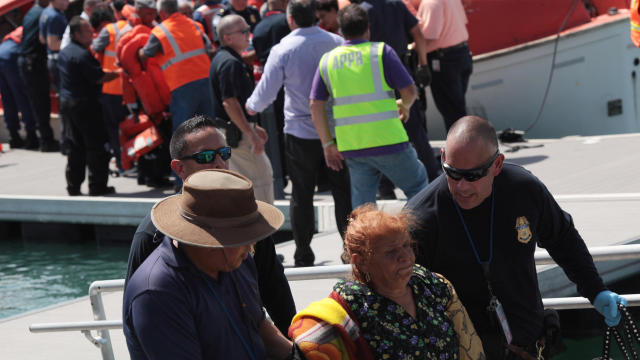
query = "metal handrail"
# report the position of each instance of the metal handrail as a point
(100, 324)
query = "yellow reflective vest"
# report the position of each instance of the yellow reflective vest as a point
(364, 106)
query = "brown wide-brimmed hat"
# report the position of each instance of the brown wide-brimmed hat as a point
(217, 208)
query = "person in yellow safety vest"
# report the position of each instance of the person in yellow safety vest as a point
(114, 110)
(181, 48)
(634, 17)
(360, 77)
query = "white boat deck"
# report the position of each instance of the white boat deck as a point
(595, 179)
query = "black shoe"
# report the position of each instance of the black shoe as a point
(106, 191)
(386, 194)
(50, 145)
(16, 141)
(303, 263)
(32, 141)
(74, 192)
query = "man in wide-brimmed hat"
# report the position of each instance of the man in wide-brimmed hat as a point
(197, 145)
(196, 296)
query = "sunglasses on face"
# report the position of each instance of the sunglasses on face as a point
(470, 175)
(208, 156)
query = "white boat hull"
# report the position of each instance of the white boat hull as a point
(594, 89)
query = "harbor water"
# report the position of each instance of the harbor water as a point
(38, 274)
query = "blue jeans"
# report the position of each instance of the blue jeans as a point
(402, 168)
(194, 98)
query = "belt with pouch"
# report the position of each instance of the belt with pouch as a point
(444, 51)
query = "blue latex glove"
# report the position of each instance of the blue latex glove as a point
(606, 302)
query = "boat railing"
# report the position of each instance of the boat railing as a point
(102, 325)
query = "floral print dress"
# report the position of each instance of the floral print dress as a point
(390, 331)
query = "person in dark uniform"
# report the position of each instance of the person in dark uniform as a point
(32, 64)
(81, 79)
(479, 225)
(239, 7)
(392, 23)
(13, 96)
(269, 31)
(232, 85)
(52, 26)
(198, 135)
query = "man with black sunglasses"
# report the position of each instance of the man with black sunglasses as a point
(197, 145)
(479, 224)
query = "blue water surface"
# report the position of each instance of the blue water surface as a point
(36, 274)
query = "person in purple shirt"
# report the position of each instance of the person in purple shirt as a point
(290, 63)
(397, 161)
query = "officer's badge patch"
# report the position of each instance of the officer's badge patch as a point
(524, 232)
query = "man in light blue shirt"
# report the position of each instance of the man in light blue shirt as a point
(292, 63)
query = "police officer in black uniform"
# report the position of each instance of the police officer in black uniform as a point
(35, 76)
(81, 79)
(479, 225)
(239, 7)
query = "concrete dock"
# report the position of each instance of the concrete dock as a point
(593, 178)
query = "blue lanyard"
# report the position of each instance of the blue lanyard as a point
(484, 264)
(233, 324)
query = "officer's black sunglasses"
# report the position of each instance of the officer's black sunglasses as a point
(207, 156)
(470, 175)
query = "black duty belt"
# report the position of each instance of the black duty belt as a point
(442, 51)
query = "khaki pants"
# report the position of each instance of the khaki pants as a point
(256, 167)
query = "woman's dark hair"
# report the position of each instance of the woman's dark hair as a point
(353, 20)
(327, 5)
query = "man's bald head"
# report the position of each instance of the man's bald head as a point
(471, 145)
(470, 129)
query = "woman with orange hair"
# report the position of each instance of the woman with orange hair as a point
(393, 308)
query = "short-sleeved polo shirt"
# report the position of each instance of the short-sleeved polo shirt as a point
(172, 310)
(230, 78)
(30, 44)
(390, 22)
(52, 23)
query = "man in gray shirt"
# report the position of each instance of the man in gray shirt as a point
(291, 63)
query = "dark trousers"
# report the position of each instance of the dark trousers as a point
(304, 159)
(14, 98)
(35, 81)
(114, 112)
(416, 128)
(87, 138)
(449, 83)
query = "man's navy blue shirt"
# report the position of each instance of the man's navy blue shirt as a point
(269, 31)
(30, 44)
(52, 23)
(390, 22)
(171, 310)
(79, 73)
